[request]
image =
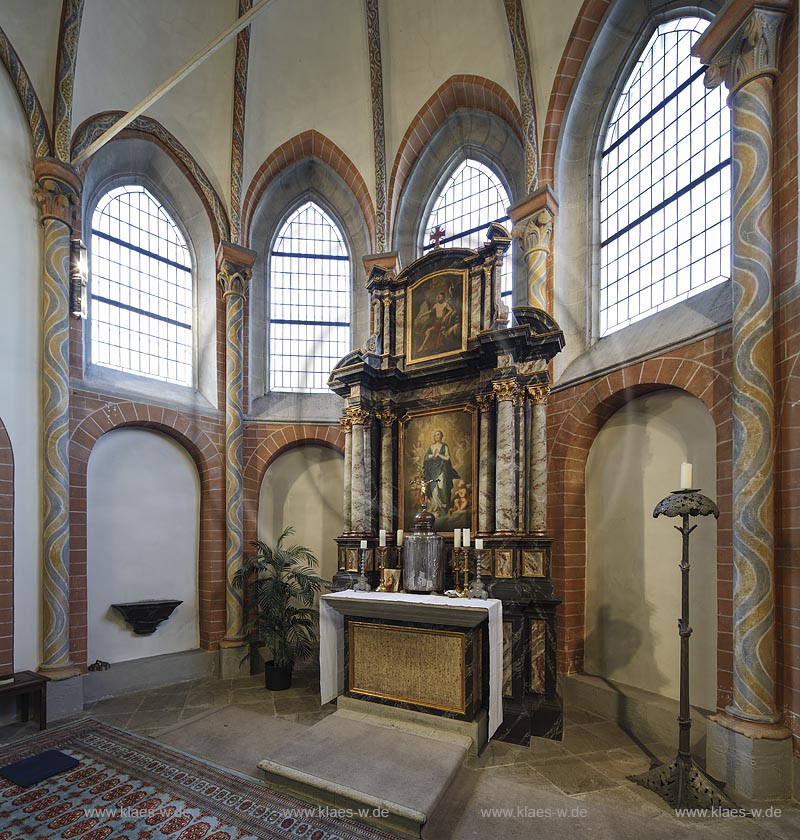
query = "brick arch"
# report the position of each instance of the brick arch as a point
(308, 144)
(457, 92)
(210, 468)
(586, 25)
(576, 416)
(271, 444)
(6, 552)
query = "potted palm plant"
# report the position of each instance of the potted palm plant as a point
(280, 584)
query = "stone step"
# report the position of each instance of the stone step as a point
(342, 763)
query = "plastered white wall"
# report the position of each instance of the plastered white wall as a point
(425, 43)
(633, 583)
(303, 488)
(309, 69)
(32, 27)
(143, 505)
(127, 50)
(20, 244)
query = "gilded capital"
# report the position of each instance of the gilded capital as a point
(484, 401)
(359, 416)
(538, 394)
(234, 269)
(347, 424)
(506, 389)
(742, 43)
(57, 191)
(386, 417)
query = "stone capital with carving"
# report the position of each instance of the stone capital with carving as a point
(234, 269)
(58, 189)
(538, 394)
(347, 424)
(506, 389)
(742, 43)
(484, 401)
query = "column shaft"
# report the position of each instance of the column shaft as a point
(505, 458)
(538, 443)
(385, 512)
(753, 407)
(233, 274)
(57, 192)
(347, 512)
(485, 477)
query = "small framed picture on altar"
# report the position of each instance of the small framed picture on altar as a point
(437, 316)
(504, 563)
(533, 563)
(390, 578)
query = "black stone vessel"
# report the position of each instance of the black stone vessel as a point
(145, 616)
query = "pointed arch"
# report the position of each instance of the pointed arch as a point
(149, 129)
(308, 144)
(456, 93)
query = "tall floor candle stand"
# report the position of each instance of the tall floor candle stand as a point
(681, 782)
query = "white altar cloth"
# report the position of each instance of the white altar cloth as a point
(331, 641)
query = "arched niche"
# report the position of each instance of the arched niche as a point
(143, 516)
(302, 488)
(633, 584)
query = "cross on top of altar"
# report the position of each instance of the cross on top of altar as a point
(437, 234)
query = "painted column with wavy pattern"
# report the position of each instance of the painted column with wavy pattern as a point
(239, 113)
(234, 267)
(57, 192)
(71, 14)
(740, 48)
(533, 228)
(378, 131)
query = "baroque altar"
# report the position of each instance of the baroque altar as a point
(446, 402)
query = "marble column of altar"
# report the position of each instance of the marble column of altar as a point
(486, 478)
(347, 489)
(361, 494)
(234, 268)
(537, 491)
(58, 188)
(506, 392)
(522, 453)
(740, 48)
(385, 499)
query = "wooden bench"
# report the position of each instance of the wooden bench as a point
(24, 685)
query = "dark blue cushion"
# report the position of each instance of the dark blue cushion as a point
(37, 768)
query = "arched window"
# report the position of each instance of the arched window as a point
(665, 183)
(141, 288)
(472, 198)
(309, 301)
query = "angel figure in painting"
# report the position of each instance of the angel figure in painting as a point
(439, 474)
(461, 498)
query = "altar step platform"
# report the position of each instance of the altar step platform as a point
(388, 771)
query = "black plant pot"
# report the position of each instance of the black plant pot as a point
(277, 678)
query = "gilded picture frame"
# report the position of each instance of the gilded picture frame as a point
(533, 562)
(439, 446)
(437, 316)
(390, 578)
(504, 563)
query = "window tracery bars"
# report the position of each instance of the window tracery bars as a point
(309, 301)
(141, 288)
(470, 201)
(665, 183)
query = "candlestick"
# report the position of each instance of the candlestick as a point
(382, 538)
(686, 476)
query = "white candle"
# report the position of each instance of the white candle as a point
(399, 537)
(457, 538)
(686, 476)
(382, 538)
(466, 537)
(363, 544)
(479, 544)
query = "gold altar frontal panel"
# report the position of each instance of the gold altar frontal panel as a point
(424, 667)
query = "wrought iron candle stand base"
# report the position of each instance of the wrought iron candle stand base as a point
(681, 782)
(362, 584)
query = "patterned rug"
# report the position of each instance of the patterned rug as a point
(131, 788)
